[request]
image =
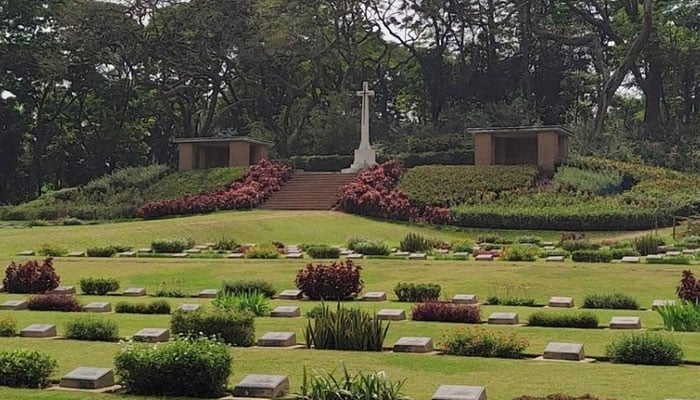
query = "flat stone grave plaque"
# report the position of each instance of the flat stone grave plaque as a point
(236, 255)
(14, 305)
(630, 260)
(193, 251)
(674, 253)
(354, 256)
(549, 248)
(464, 299)
(503, 318)
(661, 303)
(654, 257)
(286, 312)
(202, 247)
(454, 392)
(626, 323)
(547, 243)
(88, 378)
(374, 296)
(290, 294)
(294, 255)
(564, 351)
(690, 252)
(555, 259)
(391, 315)
(208, 293)
(461, 254)
(98, 307)
(346, 252)
(134, 292)
(292, 249)
(152, 335)
(418, 256)
(442, 251)
(179, 255)
(401, 254)
(262, 386)
(76, 254)
(38, 331)
(26, 253)
(484, 257)
(2, 288)
(127, 254)
(189, 307)
(278, 339)
(414, 345)
(63, 290)
(563, 302)
(144, 250)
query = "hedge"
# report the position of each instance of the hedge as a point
(335, 162)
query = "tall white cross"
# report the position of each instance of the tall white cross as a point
(364, 126)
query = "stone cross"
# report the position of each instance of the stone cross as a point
(365, 93)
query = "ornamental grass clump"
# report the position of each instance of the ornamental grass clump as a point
(250, 286)
(645, 348)
(188, 367)
(254, 302)
(339, 280)
(481, 342)
(681, 316)
(415, 243)
(358, 386)
(584, 320)
(345, 329)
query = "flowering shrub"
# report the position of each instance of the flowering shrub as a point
(31, 277)
(374, 193)
(337, 281)
(54, 302)
(446, 312)
(261, 181)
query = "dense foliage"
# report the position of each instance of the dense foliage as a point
(345, 329)
(54, 302)
(171, 245)
(350, 386)
(645, 348)
(250, 286)
(322, 251)
(446, 312)
(98, 286)
(93, 329)
(234, 328)
(339, 280)
(31, 277)
(255, 303)
(8, 327)
(197, 367)
(481, 342)
(681, 316)
(417, 293)
(26, 369)
(154, 307)
(613, 301)
(585, 320)
(689, 288)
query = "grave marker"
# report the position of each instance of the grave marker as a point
(134, 292)
(127, 254)
(464, 299)
(418, 256)
(354, 256)
(262, 386)
(193, 251)
(661, 303)
(293, 255)
(63, 290)
(391, 315)
(236, 255)
(564, 351)
(374, 296)
(152, 335)
(189, 307)
(555, 259)
(38, 331)
(460, 255)
(208, 293)
(290, 294)
(278, 339)
(26, 253)
(401, 254)
(144, 250)
(98, 307)
(503, 318)
(626, 323)
(454, 392)
(88, 378)
(76, 254)
(484, 257)
(563, 302)
(14, 305)
(630, 260)
(286, 312)
(674, 253)
(179, 255)
(414, 345)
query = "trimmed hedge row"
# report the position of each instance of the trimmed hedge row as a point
(335, 162)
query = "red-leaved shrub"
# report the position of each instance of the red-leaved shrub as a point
(446, 312)
(31, 277)
(337, 281)
(689, 289)
(54, 302)
(259, 183)
(374, 193)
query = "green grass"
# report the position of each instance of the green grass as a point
(179, 184)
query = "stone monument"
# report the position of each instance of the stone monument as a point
(365, 156)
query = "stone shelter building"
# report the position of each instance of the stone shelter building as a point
(220, 151)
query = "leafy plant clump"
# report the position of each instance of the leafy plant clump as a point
(197, 367)
(52, 250)
(584, 320)
(613, 301)
(648, 244)
(674, 260)
(55, 302)
(416, 293)
(92, 329)
(603, 182)
(369, 247)
(8, 327)
(480, 342)
(681, 316)
(154, 307)
(105, 252)
(322, 251)
(345, 329)
(31, 277)
(415, 243)
(226, 244)
(171, 246)
(645, 348)
(522, 252)
(357, 386)
(462, 246)
(619, 253)
(559, 396)
(26, 369)
(263, 252)
(446, 312)
(689, 288)
(337, 281)
(515, 301)
(98, 286)
(250, 286)
(254, 302)
(234, 328)
(592, 256)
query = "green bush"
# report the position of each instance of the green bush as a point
(25, 369)
(106, 252)
(254, 302)
(197, 367)
(529, 240)
(52, 250)
(618, 253)
(645, 348)
(515, 301)
(154, 307)
(555, 252)
(417, 293)
(614, 301)
(358, 386)
(93, 329)
(171, 245)
(226, 244)
(462, 246)
(585, 320)
(182, 183)
(369, 247)
(592, 256)
(315, 311)
(98, 286)
(493, 238)
(522, 252)
(322, 251)
(681, 316)
(480, 342)
(584, 180)
(345, 329)
(648, 244)
(675, 260)
(263, 251)
(8, 327)
(250, 286)
(234, 328)
(579, 244)
(415, 243)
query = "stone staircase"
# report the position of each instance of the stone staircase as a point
(309, 191)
